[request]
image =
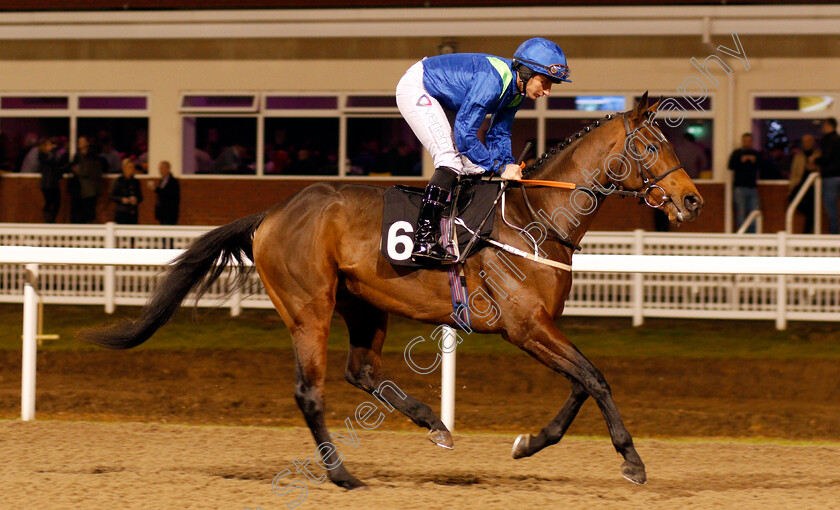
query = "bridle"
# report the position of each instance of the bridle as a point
(649, 180)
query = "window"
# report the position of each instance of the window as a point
(33, 103)
(301, 135)
(382, 147)
(301, 103)
(20, 137)
(357, 134)
(219, 145)
(587, 103)
(692, 137)
(379, 142)
(219, 102)
(330, 135)
(779, 140)
(816, 103)
(117, 124)
(113, 103)
(693, 144)
(780, 121)
(118, 138)
(565, 115)
(301, 146)
(692, 104)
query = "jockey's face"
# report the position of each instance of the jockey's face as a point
(539, 85)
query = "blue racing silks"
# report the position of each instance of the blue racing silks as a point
(475, 85)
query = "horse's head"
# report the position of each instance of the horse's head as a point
(648, 165)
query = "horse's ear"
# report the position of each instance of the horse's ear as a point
(641, 106)
(655, 106)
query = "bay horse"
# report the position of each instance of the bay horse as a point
(319, 251)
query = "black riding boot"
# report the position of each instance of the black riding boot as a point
(426, 246)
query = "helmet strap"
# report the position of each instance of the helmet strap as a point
(525, 74)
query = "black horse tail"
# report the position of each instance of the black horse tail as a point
(198, 267)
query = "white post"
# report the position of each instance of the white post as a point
(781, 286)
(638, 280)
(818, 206)
(235, 297)
(110, 271)
(447, 377)
(730, 137)
(30, 343)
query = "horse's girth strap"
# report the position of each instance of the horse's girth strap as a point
(530, 256)
(519, 253)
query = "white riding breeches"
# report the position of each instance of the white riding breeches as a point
(430, 124)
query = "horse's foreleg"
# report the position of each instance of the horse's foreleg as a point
(545, 342)
(367, 326)
(311, 353)
(527, 445)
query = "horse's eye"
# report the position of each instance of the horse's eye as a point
(651, 148)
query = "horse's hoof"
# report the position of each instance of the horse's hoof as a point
(350, 482)
(520, 446)
(442, 438)
(634, 472)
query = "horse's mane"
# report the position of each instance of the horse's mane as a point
(558, 149)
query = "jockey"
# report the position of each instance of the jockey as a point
(472, 85)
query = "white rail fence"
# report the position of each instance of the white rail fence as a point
(637, 295)
(33, 258)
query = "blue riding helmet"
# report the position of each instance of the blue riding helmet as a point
(544, 57)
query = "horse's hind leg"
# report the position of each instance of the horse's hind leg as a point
(541, 339)
(367, 326)
(527, 445)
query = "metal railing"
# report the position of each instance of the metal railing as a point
(756, 216)
(814, 180)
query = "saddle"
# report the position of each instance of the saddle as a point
(473, 198)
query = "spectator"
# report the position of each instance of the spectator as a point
(49, 166)
(168, 193)
(203, 161)
(27, 159)
(141, 162)
(305, 162)
(401, 159)
(87, 167)
(232, 160)
(279, 160)
(110, 154)
(127, 194)
(774, 164)
(744, 163)
(829, 163)
(691, 156)
(800, 167)
(365, 161)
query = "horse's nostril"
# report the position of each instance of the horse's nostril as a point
(692, 202)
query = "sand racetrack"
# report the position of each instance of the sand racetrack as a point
(61, 462)
(58, 465)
